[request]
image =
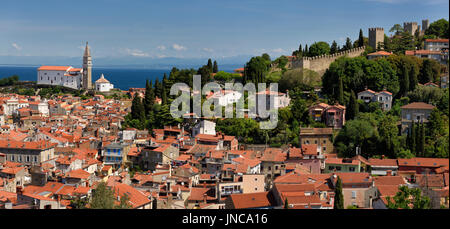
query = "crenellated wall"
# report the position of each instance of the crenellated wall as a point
(321, 63)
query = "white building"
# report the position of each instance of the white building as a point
(383, 97)
(103, 85)
(11, 105)
(204, 127)
(41, 106)
(66, 76)
(273, 100)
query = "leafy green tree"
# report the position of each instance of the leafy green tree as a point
(397, 28)
(430, 71)
(402, 42)
(338, 195)
(319, 48)
(102, 197)
(409, 198)
(438, 28)
(124, 203)
(431, 95)
(78, 203)
(303, 79)
(266, 57)
(357, 133)
(281, 62)
(256, 69)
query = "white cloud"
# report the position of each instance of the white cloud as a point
(278, 50)
(161, 47)
(178, 47)
(208, 50)
(136, 52)
(16, 46)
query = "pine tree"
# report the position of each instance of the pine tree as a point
(215, 67)
(338, 196)
(360, 39)
(348, 44)
(334, 48)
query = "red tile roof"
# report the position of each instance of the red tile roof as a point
(54, 68)
(251, 200)
(437, 40)
(418, 105)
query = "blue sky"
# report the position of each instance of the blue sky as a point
(195, 28)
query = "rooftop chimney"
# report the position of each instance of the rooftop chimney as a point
(389, 173)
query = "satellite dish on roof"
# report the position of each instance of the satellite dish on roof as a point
(164, 178)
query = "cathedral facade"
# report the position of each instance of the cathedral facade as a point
(68, 76)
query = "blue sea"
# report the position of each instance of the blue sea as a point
(123, 78)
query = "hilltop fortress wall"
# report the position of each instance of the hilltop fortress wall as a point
(321, 63)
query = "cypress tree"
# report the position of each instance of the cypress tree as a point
(137, 109)
(338, 196)
(413, 138)
(148, 101)
(421, 140)
(215, 67)
(306, 52)
(286, 204)
(210, 65)
(334, 48)
(360, 39)
(157, 88)
(405, 81)
(163, 96)
(353, 107)
(341, 92)
(300, 51)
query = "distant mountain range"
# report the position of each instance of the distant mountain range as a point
(126, 62)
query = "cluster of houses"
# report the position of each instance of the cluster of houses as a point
(58, 150)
